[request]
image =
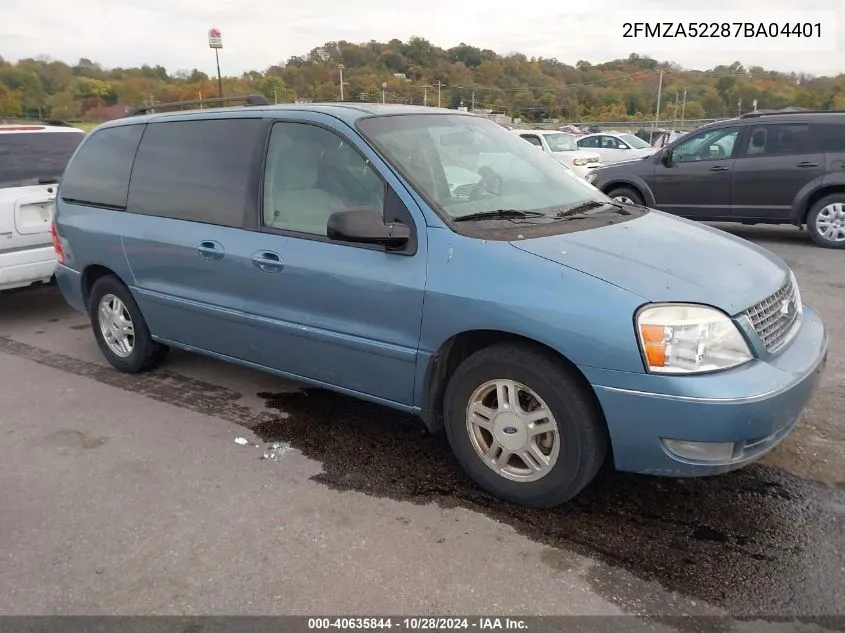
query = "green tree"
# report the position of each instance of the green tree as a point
(275, 90)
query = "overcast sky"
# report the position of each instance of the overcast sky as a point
(259, 33)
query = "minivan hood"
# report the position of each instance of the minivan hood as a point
(663, 258)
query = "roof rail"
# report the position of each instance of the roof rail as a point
(759, 113)
(248, 100)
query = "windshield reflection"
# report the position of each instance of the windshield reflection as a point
(463, 164)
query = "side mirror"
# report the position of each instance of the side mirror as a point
(366, 226)
(666, 157)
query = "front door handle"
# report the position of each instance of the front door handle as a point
(807, 163)
(211, 250)
(719, 168)
(267, 261)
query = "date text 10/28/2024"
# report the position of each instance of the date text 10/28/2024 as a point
(417, 623)
(719, 30)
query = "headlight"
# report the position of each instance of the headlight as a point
(591, 177)
(580, 162)
(689, 339)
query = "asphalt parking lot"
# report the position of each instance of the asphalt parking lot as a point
(129, 495)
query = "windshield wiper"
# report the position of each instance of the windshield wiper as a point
(499, 214)
(579, 209)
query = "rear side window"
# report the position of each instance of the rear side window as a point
(99, 173)
(534, 140)
(831, 136)
(201, 171)
(779, 140)
(29, 157)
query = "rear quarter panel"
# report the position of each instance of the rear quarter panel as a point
(92, 236)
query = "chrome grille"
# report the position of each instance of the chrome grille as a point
(777, 317)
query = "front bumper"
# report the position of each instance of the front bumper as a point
(27, 266)
(754, 407)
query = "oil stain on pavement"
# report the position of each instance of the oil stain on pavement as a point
(756, 541)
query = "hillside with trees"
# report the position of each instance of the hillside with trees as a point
(416, 72)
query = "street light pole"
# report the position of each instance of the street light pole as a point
(340, 67)
(384, 92)
(683, 108)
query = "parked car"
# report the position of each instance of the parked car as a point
(759, 168)
(32, 159)
(535, 320)
(615, 147)
(665, 138)
(563, 148)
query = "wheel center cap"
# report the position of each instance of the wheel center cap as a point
(510, 431)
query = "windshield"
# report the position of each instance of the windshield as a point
(561, 143)
(635, 141)
(466, 165)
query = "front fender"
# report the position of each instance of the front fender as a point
(800, 206)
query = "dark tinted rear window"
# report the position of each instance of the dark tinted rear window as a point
(202, 171)
(27, 157)
(831, 136)
(99, 173)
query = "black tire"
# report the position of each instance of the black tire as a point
(146, 353)
(629, 193)
(581, 427)
(817, 237)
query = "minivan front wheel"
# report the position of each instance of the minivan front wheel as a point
(826, 221)
(523, 426)
(120, 329)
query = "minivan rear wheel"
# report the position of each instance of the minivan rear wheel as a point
(120, 329)
(523, 426)
(626, 195)
(826, 221)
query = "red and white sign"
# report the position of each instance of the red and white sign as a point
(215, 39)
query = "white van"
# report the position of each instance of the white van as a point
(32, 159)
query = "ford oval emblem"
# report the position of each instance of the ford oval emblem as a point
(509, 430)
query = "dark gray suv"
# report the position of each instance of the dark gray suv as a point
(759, 168)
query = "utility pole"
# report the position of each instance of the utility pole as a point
(340, 67)
(384, 92)
(473, 101)
(425, 94)
(683, 109)
(439, 85)
(657, 113)
(275, 97)
(739, 108)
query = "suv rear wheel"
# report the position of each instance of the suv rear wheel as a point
(120, 329)
(523, 426)
(826, 221)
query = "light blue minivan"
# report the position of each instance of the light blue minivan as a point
(434, 262)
